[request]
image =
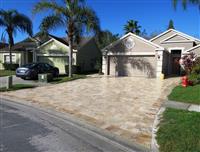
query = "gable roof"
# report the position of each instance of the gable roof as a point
(134, 35)
(177, 32)
(170, 39)
(193, 48)
(40, 39)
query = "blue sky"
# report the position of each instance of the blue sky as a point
(153, 15)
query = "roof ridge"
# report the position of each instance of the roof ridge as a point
(181, 33)
(128, 34)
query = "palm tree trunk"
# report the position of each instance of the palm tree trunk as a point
(70, 55)
(70, 35)
(11, 42)
(10, 54)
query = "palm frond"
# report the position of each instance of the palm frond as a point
(51, 22)
(47, 5)
(89, 18)
(23, 23)
(2, 23)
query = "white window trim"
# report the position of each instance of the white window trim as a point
(7, 54)
(176, 48)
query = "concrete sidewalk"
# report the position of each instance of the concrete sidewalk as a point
(181, 105)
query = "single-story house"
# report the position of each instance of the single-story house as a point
(53, 50)
(133, 55)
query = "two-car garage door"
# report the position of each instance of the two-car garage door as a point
(143, 66)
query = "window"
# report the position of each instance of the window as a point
(7, 58)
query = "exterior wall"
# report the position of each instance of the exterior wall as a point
(184, 45)
(54, 53)
(177, 38)
(196, 51)
(144, 66)
(53, 48)
(58, 62)
(18, 56)
(88, 56)
(138, 46)
(161, 38)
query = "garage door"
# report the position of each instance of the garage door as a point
(58, 62)
(143, 66)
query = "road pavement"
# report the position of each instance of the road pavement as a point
(28, 129)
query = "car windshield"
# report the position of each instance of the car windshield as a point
(30, 65)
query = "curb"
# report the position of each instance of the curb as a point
(77, 121)
(182, 106)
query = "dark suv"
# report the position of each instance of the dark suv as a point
(31, 71)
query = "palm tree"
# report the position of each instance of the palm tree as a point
(133, 27)
(185, 2)
(13, 21)
(74, 16)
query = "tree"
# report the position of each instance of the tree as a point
(105, 38)
(171, 25)
(13, 21)
(133, 27)
(186, 2)
(74, 16)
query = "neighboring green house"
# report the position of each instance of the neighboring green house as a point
(53, 50)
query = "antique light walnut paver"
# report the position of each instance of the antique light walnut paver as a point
(125, 106)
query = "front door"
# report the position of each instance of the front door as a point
(30, 57)
(175, 66)
(175, 57)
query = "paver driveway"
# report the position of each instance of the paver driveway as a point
(125, 106)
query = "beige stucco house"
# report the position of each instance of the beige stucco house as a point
(53, 50)
(132, 55)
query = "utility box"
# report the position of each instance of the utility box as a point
(9, 82)
(46, 77)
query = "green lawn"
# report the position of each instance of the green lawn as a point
(179, 131)
(17, 87)
(189, 94)
(6, 73)
(62, 79)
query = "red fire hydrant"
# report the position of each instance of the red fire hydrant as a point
(185, 81)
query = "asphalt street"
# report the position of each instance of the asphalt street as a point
(28, 129)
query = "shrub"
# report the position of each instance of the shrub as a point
(98, 67)
(8, 66)
(196, 67)
(195, 74)
(75, 69)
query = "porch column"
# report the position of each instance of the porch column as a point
(159, 63)
(104, 65)
(34, 55)
(26, 56)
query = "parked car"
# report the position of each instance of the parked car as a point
(31, 70)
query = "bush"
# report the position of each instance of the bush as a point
(75, 69)
(195, 74)
(196, 67)
(8, 66)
